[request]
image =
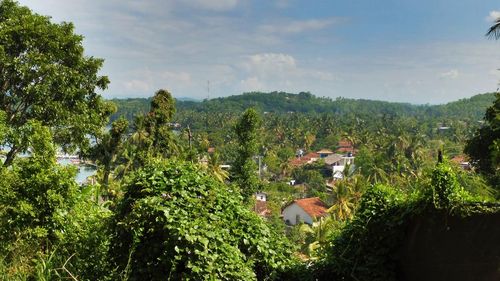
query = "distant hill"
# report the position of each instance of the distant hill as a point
(281, 102)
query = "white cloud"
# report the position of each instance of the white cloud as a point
(493, 16)
(292, 27)
(176, 77)
(214, 5)
(137, 85)
(252, 84)
(452, 74)
(278, 71)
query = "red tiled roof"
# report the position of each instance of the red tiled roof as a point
(312, 206)
(346, 149)
(458, 159)
(304, 159)
(311, 155)
(344, 143)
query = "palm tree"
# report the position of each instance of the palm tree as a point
(214, 167)
(494, 30)
(343, 206)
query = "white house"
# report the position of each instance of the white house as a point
(261, 196)
(337, 163)
(305, 210)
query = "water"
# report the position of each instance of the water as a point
(84, 171)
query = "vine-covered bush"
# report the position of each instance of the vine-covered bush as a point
(364, 249)
(367, 248)
(175, 222)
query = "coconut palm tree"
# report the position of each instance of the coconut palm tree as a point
(343, 206)
(214, 167)
(494, 30)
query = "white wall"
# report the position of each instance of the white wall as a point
(290, 214)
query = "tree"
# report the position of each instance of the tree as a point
(152, 135)
(107, 148)
(45, 76)
(483, 148)
(245, 169)
(494, 30)
(157, 125)
(178, 222)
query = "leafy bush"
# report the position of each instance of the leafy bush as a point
(177, 222)
(367, 247)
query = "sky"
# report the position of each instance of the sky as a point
(426, 51)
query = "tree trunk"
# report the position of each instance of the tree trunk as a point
(10, 156)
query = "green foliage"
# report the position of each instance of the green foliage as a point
(107, 148)
(484, 147)
(43, 211)
(176, 222)
(46, 77)
(367, 247)
(364, 249)
(445, 188)
(244, 168)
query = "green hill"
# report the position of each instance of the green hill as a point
(280, 102)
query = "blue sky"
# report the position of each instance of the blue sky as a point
(396, 50)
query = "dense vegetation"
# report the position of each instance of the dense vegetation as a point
(280, 102)
(173, 196)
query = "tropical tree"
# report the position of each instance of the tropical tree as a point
(45, 76)
(108, 147)
(483, 148)
(245, 169)
(214, 167)
(494, 30)
(343, 201)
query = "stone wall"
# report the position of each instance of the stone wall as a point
(443, 247)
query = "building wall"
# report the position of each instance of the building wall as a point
(290, 215)
(445, 247)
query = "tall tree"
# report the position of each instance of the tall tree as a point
(108, 147)
(152, 135)
(484, 147)
(45, 76)
(245, 169)
(158, 124)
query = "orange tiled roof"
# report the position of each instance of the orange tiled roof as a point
(344, 143)
(458, 159)
(304, 159)
(311, 155)
(312, 206)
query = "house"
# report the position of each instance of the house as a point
(261, 196)
(306, 159)
(305, 210)
(324, 153)
(461, 161)
(345, 146)
(338, 162)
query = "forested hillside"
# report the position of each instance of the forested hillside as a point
(281, 102)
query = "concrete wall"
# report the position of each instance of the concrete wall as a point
(290, 214)
(442, 247)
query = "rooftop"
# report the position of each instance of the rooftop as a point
(312, 206)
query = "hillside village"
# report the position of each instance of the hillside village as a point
(252, 186)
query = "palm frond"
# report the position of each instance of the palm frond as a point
(494, 30)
